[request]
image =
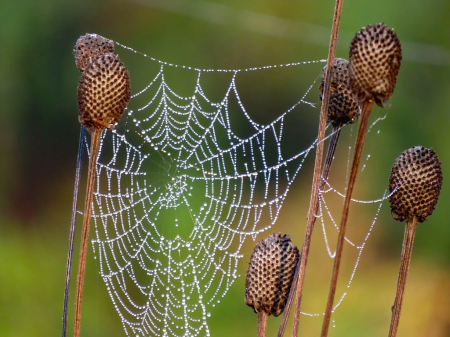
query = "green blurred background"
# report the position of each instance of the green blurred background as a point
(38, 146)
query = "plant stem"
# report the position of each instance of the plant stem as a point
(95, 144)
(329, 159)
(301, 265)
(325, 170)
(407, 247)
(301, 278)
(76, 191)
(262, 323)
(364, 121)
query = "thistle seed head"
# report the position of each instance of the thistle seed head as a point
(103, 92)
(342, 106)
(270, 274)
(417, 178)
(88, 47)
(375, 56)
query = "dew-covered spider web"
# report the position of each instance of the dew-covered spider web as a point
(179, 190)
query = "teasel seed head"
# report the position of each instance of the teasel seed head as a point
(103, 92)
(342, 106)
(270, 274)
(417, 178)
(375, 57)
(88, 47)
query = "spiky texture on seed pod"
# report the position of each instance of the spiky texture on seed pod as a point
(418, 178)
(103, 92)
(342, 106)
(375, 57)
(88, 47)
(270, 274)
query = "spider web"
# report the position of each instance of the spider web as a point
(177, 193)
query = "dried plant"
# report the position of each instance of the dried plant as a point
(415, 184)
(375, 55)
(103, 94)
(369, 76)
(297, 290)
(342, 109)
(269, 277)
(87, 48)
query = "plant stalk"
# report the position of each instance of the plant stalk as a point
(76, 191)
(95, 144)
(325, 171)
(262, 323)
(364, 121)
(407, 247)
(329, 159)
(301, 265)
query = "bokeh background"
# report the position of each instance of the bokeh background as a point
(39, 138)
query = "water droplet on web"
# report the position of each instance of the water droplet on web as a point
(219, 217)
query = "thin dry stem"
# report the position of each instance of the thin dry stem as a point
(317, 175)
(364, 121)
(72, 227)
(326, 169)
(408, 241)
(262, 323)
(329, 159)
(290, 300)
(95, 143)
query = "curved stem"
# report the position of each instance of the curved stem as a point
(364, 121)
(76, 191)
(95, 144)
(407, 247)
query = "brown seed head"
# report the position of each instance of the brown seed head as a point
(103, 92)
(417, 176)
(88, 47)
(375, 56)
(342, 106)
(270, 274)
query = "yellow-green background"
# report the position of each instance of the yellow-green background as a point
(39, 136)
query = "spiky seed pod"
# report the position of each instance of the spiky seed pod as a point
(342, 106)
(270, 274)
(375, 57)
(103, 92)
(88, 47)
(418, 178)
